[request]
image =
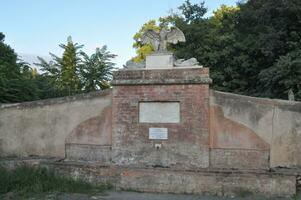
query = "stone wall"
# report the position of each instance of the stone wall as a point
(245, 132)
(216, 141)
(221, 183)
(40, 128)
(256, 133)
(163, 180)
(232, 183)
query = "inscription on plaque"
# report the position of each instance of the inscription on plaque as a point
(158, 133)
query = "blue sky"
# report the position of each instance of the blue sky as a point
(36, 27)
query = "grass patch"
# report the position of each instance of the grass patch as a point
(25, 179)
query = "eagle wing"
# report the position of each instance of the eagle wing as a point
(151, 37)
(175, 35)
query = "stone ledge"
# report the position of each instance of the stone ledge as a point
(162, 180)
(199, 80)
(162, 76)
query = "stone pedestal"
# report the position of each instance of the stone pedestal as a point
(161, 118)
(159, 60)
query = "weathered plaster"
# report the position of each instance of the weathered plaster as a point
(286, 144)
(95, 131)
(240, 122)
(41, 127)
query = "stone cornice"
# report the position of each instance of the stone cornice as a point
(162, 76)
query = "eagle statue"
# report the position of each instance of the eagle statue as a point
(160, 39)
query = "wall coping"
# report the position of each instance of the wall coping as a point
(58, 100)
(261, 100)
(201, 80)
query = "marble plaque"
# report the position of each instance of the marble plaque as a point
(159, 112)
(158, 134)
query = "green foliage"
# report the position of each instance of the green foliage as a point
(25, 179)
(96, 70)
(252, 48)
(18, 81)
(76, 72)
(9, 72)
(141, 49)
(192, 12)
(284, 75)
(65, 70)
(15, 76)
(265, 32)
(69, 77)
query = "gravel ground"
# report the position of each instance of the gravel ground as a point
(113, 195)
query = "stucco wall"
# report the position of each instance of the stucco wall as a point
(41, 127)
(286, 142)
(248, 132)
(245, 132)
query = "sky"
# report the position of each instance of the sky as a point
(36, 27)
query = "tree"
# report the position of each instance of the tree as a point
(8, 71)
(270, 31)
(28, 87)
(96, 70)
(222, 56)
(283, 76)
(143, 50)
(192, 12)
(252, 48)
(15, 83)
(76, 72)
(69, 66)
(197, 31)
(65, 70)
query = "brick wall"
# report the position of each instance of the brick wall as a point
(187, 145)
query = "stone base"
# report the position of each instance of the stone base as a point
(218, 183)
(88, 152)
(161, 180)
(159, 61)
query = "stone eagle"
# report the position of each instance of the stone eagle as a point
(160, 39)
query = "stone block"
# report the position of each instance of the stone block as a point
(159, 61)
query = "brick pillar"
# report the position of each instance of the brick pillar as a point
(173, 100)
